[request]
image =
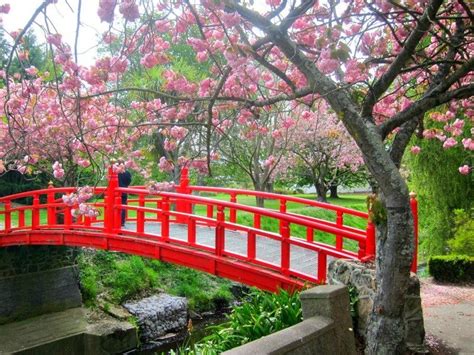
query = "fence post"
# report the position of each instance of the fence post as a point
(110, 200)
(181, 205)
(414, 211)
(50, 201)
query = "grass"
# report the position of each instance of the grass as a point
(117, 277)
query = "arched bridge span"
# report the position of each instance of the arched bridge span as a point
(252, 245)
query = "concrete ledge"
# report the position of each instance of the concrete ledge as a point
(68, 333)
(299, 339)
(326, 291)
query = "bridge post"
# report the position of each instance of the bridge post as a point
(220, 231)
(282, 210)
(183, 206)
(285, 247)
(165, 219)
(141, 214)
(110, 200)
(339, 223)
(369, 251)
(8, 217)
(35, 213)
(414, 211)
(50, 201)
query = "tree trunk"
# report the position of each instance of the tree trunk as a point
(320, 192)
(260, 201)
(386, 333)
(333, 191)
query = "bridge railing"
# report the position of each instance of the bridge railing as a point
(221, 226)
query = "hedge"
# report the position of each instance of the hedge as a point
(452, 268)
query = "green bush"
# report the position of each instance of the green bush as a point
(262, 314)
(452, 268)
(463, 240)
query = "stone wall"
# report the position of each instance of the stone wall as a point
(362, 278)
(326, 328)
(27, 259)
(36, 280)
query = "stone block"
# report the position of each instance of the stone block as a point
(358, 275)
(159, 314)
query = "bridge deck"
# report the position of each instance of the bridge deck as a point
(268, 250)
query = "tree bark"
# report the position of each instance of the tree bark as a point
(260, 201)
(320, 192)
(333, 191)
(386, 333)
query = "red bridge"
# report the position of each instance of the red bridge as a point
(168, 226)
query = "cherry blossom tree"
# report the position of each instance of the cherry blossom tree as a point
(255, 142)
(381, 66)
(320, 149)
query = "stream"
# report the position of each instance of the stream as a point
(173, 341)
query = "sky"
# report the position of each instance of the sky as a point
(64, 20)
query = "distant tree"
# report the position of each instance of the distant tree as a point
(320, 151)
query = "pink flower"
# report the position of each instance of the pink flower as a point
(106, 10)
(415, 149)
(178, 132)
(465, 169)
(5, 9)
(58, 174)
(149, 60)
(54, 39)
(450, 142)
(468, 143)
(31, 71)
(129, 10)
(165, 165)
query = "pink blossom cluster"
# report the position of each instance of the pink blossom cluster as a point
(155, 187)
(58, 171)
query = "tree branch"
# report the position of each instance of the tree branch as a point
(382, 84)
(423, 105)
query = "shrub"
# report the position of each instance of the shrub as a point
(452, 268)
(463, 241)
(262, 314)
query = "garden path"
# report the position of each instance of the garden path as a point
(448, 312)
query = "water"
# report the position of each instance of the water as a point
(188, 337)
